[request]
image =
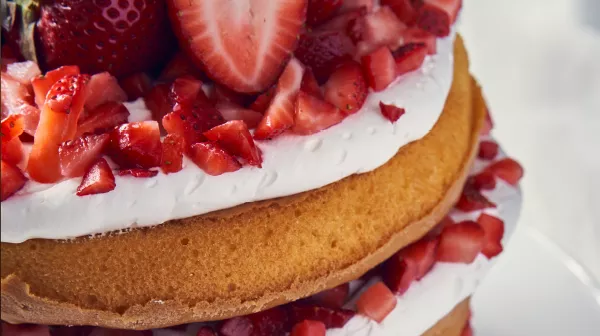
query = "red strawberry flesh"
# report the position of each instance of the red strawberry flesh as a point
(320, 11)
(103, 118)
(231, 112)
(437, 16)
(460, 243)
(314, 115)
(376, 302)
(391, 112)
(136, 85)
(410, 264)
(11, 180)
(409, 57)
(173, 148)
(471, 199)
(508, 170)
(322, 51)
(98, 179)
(332, 318)
(379, 68)
(493, 232)
(136, 145)
(347, 88)
(332, 298)
(42, 84)
(103, 88)
(76, 156)
(213, 159)
(488, 150)
(138, 173)
(309, 328)
(191, 122)
(234, 137)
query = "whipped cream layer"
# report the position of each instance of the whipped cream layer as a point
(292, 164)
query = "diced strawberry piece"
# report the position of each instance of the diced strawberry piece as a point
(184, 90)
(508, 170)
(379, 68)
(376, 302)
(76, 156)
(376, 29)
(58, 123)
(23, 72)
(488, 150)
(391, 112)
(404, 10)
(103, 118)
(341, 21)
(471, 199)
(157, 101)
(409, 57)
(314, 115)
(99, 179)
(12, 180)
(12, 127)
(173, 148)
(180, 65)
(493, 232)
(309, 328)
(467, 331)
(237, 326)
(485, 180)
(235, 138)
(136, 85)
(310, 85)
(322, 51)
(191, 122)
(222, 94)
(24, 330)
(212, 159)
(206, 331)
(410, 264)
(42, 84)
(12, 151)
(332, 318)
(332, 298)
(262, 102)
(103, 88)
(437, 16)
(280, 114)
(319, 11)
(460, 243)
(273, 321)
(230, 111)
(136, 145)
(137, 172)
(347, 88)
(17, 100)
(350, 5)
(416, 35)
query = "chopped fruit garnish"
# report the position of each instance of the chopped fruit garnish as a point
(98, 179)
(341, 21)
(488, 124)
(391, 112)
(471, 199)
(157, 101)
(12, 151)
(262, 102)
(322, 51)
(220, 93)
(136, 145)
(409, 57)
(237, 326)
(206, 331)
(103, 88)
(42, 84)
(24, 330)
(314, 114)
(185, 90)
(347, 88)
(58, 123)
(230, 111)
(350, 5)
(416, 35)
(376, 302)
(332, 318)
(76, 156)
(508, 170)
(485, 180)
(460, 243)
(12, 127)
(191, 122)
(437, 16)
(136, 85)
(376, 29)
(12, 180)
(280, 113)
(173, 147)
(410, 264)
(379, 68)
(404, 10)
(488, 150)
(273, 321)
(493, 229)
(103, 118)
(23, 72)
(310, 85)
(235, 138)
(331, 298)
(309, 328)
(320, 11)
(241, 46)
(16, 99)
(212, 159)
(179, 66)
(137, 172)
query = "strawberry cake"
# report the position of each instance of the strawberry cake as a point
(240, 168)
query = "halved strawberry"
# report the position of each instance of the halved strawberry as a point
(136, 85)
(320, 11)
(437, 16)
(12, 151)
(191, 122)
(404, 10)
(76, 156)
(58, 123)
(508, 170)
(12, 180)
(206, 331)
(103, 88)
(332, 298)
(485, 180)
(493, 229)
(309, 328)
(184, 90)
(240, 44)
(310, 85)
(42, 84)
(212, 159)
(376, 29)
(280, 114)
(409, 57)
(391, 112)
(16, 99)
(231, 111)
(157, 101)
(136, 145)
(332, 318)
(416, 35)
(314, 115)
(180, 65)
(347, 88)
(23, 72)
(103, 118)
(220, 93)
(471, 199)
(272, 321)
(376, 302)
(99, 179)
(138, 172)
(350, 5)
(487, 150)
(410, 264)
(235, 138)
(173, 148)
(237, 326)
(460, 243)
(322, 51)
(379, 68)
(12, 127)
(262, 102)
(24, 330)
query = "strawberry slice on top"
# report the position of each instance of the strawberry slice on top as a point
(437, 16)
(314, 115)
(98, 179)
(12, 180)
(76, 156)
(241, 44)
(234, 137)
(347, 88)
(136, 145)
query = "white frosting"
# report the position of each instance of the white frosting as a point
(138, 111)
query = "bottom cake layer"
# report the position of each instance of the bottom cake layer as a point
(454, 323)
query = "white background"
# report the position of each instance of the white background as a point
(539, 64)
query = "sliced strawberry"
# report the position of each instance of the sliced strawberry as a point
(212, 159)
(332, 298)
(103, 118)
(173, 148)
(376, 29)
(191, 122)
(24, 330)
(409, 57)
(332, 318)
(136, 145)
(485, 180)
(341, 21)
(493, 229)
(206, 331)
(157, 101)
(237, 326)
(241, 46)
(222, 94)
(309, 328)
(76, 156)
(320, 11)
(42, 84)
(16, 99)
(488, 150)
(138, 173)
(347, 88)
(471, 199)
(376, 302)
(12, 151)
(235, 138)
(103, 88)
(230, 111)
(379, 68)
(404, 10)
(269, 322)
(416, 35)
(58, 123)
(437, 16)
(391, 112)
(310, 85)
(262, 102)
(184, 90)
(12, 180)
(322, 51)
(508, 170)
(136, 85)
(23, 72)
(350, 5)
(12, 127)
(460, 243)
(280, 114)
(410, 264)
(99, 179)
(314, 115)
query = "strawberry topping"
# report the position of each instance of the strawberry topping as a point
(179, 66)
(309, 328)
(262, 102)
(235, 138)
(158, 102)
(376, 29)
(137, 172)
(136, 145)
(212, 159)
(404, 10)
(184, 91)
(136, 85)
(409, 57)
(269, 322)
(391, 112)
(103, 88)
(410, 264)
(206, 331)
(23, 72)
(379, 68)
(332, 318)
(488, 150)
(103, 118)
(231, 111)
(42, 84)
(191, 122)
(460, 243)
(485, 180)
(222, 94)
(493, 232)
(471, 199)
(347, 88)
(331, 298)
(173, 148)
(376, 302)
(314, 114)
(237, 326)
(437, 16)
(98, 179)
(24, 330)
(12, 151)
(310, 84)
(17, 100)
(416, 35)
(320, 11)
(76, 156)
(12, 180)
(12, 127)
(508, 170)
(322, 51)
